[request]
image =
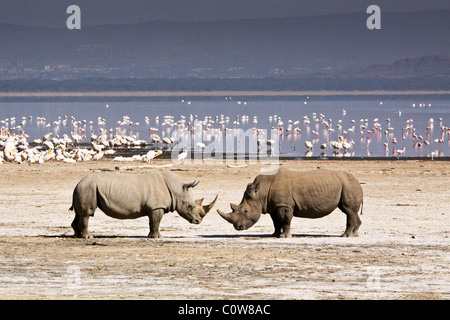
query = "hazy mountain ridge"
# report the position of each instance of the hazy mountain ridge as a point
(423, 73)
(426, 66)
(256, 48)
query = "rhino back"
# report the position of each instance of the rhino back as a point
(312, 194)
(127, 196)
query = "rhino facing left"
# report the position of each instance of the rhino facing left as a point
(130, 196)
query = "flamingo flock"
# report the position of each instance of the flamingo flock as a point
(323, 136)
(16, 147)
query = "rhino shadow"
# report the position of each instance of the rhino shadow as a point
(95, 237)
(300, 235)
(207, 236)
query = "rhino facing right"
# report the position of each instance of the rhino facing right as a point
(308, 194)
(130, 196)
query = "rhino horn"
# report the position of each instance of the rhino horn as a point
(227, 216)
(208, 207)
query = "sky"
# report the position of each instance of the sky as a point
(52, 13)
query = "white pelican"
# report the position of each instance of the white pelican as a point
(182, 155)
(151, 154)
(167, 140)
(98, 156)
(346, 145)
(47, 136)
(96, 147)
(336, 145)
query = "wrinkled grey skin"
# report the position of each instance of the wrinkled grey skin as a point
(130, 196)
(311, 194)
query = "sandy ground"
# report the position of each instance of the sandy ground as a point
(402, 251)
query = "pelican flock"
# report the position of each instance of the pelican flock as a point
(330, 135)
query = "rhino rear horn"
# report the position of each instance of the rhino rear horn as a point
(208, 207)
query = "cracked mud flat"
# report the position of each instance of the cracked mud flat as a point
(402, 251)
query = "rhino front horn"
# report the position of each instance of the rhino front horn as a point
(208, 207)
(227, 216)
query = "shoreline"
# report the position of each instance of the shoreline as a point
(197, 157)
(75, 94)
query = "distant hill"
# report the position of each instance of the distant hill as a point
(427, 66)
(338, 45)
(423, 73)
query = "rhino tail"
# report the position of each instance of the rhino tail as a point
(70, 209)
(362, 205)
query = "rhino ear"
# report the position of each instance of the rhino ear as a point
(253, 187)
(186, 186)
(252, 190)
(233, 206)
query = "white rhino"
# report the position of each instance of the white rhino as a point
(309, 194)
(130, 196)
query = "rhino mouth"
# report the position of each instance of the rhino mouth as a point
(240, 227)
(194, 221)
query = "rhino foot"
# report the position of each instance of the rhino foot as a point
(281, 235)
(154, 235)
(79, 235)
(285, 235)
(276, 234)
(348, 235)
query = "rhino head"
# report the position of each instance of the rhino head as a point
(192, 211)
(248, 212)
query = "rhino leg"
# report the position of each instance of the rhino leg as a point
(80, 226)
(83, 227)
(75, 227)
(80, 223)
(281, 218)
(353, 220)
(155, 218)
(276, 224)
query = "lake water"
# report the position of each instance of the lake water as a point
(419, 124)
